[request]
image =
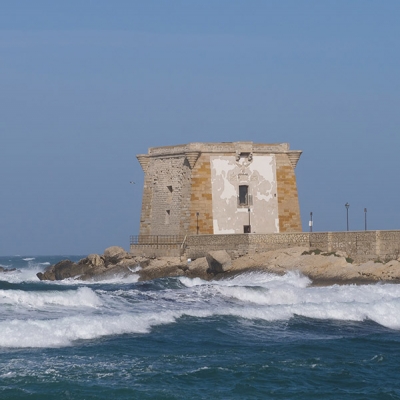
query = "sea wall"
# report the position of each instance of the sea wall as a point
(361, 246)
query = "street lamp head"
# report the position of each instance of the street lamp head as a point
(365, 210)
(347, 205)
(197, 214)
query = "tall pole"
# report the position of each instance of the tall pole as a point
(249, 220)
(347, 205)
(197, 224)
(365, 218)
(311, 223)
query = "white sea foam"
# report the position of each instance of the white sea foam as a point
(251, 279)
(271, 297)
(27, 274)
(191, 282)
(37, 299)
(63, 331)
(87, 313)
(135, 269)
(114, 279)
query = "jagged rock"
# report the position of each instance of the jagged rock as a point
(129, 264)
(219, 261)
(161, 268)
(95, 260)
(142, 261)
(47, 275)
(323, 268)
(106, 273)
(63, 270)
(68, 269)
(158, 272)
(172, 266)
(115, 261)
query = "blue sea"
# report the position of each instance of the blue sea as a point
(254, 336)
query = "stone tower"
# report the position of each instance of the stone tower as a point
(215, 188)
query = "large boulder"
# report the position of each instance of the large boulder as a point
(114, 254)
(198, 269)
(115, 261)
(47, 275)
(161, 268)
(95, 260)
(97, 274)
(68, 269)
(218, 261)
(63, 270)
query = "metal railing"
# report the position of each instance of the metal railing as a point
(157, 240)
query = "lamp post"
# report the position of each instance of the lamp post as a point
(197, 223)
(249, 220)
(311, 222)
(347, 205)
(365, 218)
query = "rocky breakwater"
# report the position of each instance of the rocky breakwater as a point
(114, 261)
(321, 267)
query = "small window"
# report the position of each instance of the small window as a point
(246, 228)
(243, 195)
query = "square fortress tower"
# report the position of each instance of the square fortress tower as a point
(220, 188)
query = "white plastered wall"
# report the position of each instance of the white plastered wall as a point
(259, 173)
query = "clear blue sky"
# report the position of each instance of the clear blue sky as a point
(87, 85)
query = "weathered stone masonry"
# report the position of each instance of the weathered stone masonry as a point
(201, 200)
(210, 188)
(360, 246)
(206, 179)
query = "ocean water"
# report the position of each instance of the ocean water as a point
(255, 336)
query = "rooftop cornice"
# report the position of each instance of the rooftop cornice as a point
(143, 160)
(294, 157)
(223, 147)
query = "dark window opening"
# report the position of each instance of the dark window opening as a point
(169, 188)
(243, 195)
